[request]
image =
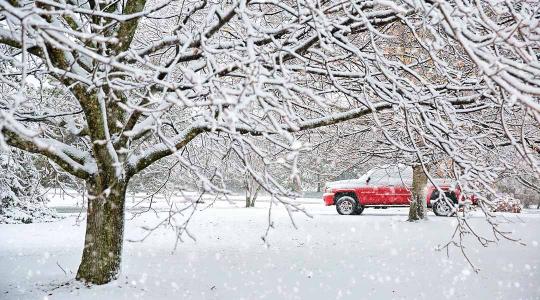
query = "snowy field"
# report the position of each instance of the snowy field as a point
(377, 255)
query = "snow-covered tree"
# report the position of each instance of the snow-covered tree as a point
(144, 80)
(21, 199)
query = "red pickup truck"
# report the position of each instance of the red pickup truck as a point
(389, 186)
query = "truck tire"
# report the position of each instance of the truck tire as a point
(359, 209)
(347, 205)
(442, 208)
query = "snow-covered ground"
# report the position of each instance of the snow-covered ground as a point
(377, 255)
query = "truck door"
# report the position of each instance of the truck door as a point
(403, 195)
(403, 184)
(384, 190)
(386, 194)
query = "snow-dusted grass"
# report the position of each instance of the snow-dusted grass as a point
(377, 255)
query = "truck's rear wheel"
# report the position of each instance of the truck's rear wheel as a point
(442, 208)
(347, 205)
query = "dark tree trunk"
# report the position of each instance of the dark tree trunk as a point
(251, 196)
(418, 209)
(252, 190)
(102, 251)
(254, 196)
(248, 200)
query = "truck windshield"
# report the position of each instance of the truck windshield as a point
(390, 174)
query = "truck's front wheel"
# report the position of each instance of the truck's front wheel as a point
(346, 205)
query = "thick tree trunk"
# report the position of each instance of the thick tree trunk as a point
(418, 208)
(101, 257)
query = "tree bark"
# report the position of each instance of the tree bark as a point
(254, 196)
(248, 199)
(102, 251)
(418, 208)
(319, 183)
(249, 185)
(252, 190)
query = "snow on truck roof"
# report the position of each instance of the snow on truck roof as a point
(386, 175)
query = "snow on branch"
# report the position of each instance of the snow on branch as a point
(71, 159)
(151, 77)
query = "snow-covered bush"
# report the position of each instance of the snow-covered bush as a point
(507, 204)
(21, 200)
